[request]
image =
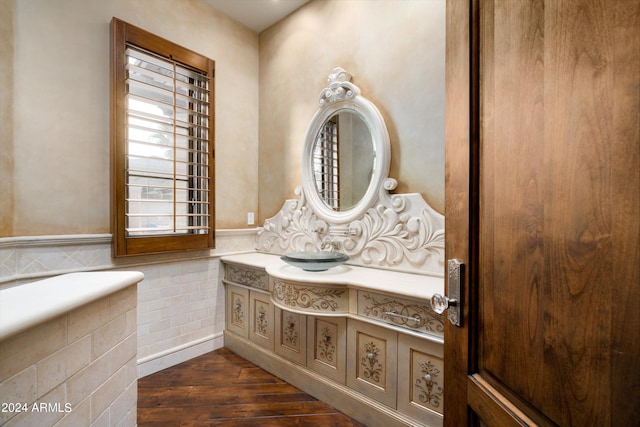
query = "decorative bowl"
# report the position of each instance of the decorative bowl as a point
(315, 260)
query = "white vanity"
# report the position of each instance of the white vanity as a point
(361, 336)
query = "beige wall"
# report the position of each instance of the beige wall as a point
(6, 116)
(54, 157)
(55, 142)
(395, 52)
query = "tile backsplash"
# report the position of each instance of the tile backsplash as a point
(24, 259)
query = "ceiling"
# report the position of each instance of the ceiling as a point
(257, 14)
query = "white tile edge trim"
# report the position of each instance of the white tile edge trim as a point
(54, 240)
(75, 239)
(26, 306)
(173, 356)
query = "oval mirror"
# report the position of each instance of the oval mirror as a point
(343, 160)
(346, 154)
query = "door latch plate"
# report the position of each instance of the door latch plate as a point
(455, 276)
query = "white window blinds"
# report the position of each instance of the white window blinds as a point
(325, 165)
(167, 146)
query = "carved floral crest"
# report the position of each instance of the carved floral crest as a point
(340, 87)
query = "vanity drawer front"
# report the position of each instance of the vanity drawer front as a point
(327, 346)
(372, 361)
(237, 310)
(406, 313)
(291, 336)
(254, 277)
(311, 298)
(261, 328)
(420, 378)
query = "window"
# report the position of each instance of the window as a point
(162, 144)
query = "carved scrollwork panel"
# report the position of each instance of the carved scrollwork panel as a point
(427, 374)
(290, 330)
(400, 312)
(247, 276)
(371, 366)
(326, 346)
(313, 299)
(326, 342)
(372, 361)
(238, 310)
(399, 232)
(291, 335)
(261, 320)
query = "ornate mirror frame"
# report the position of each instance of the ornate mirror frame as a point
(389, 231)
(342, 95)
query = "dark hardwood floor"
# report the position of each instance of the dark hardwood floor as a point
(223, 389)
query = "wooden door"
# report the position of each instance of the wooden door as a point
(543, 207)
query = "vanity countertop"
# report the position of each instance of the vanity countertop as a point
(373, 279)
(25, 306)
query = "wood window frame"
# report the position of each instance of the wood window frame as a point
(123, 34)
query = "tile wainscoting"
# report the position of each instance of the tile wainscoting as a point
(76, 368)
(180, 311)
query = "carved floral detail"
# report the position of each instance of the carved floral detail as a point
(326, 348)
(387, 236)
(340, 87)
(292, 228)
(261, 320)
(247, 276)
(399, 231)
(303, 297)
(290, 331)
(411, 315)
(372, 368)
(429, 392)
(238, 313)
